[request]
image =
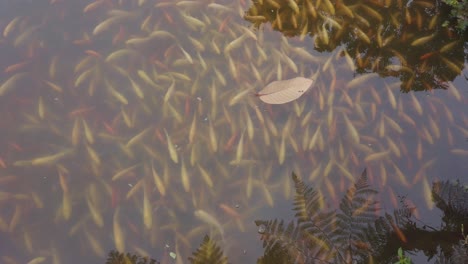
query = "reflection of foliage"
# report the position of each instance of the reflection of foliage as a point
(388, 233)
(208, 253)
(404, 39)
(459, 13)
(353, 234)
(459, 255)
(116, 257)
(278, 254)
(453, 201)
(319, 235)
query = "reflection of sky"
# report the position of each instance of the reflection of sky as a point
(247, 184)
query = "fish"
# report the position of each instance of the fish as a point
(185, 179)
(235, 44)
(230, 211)
(41, 108)
(192, 22)
(282, 151)
(95, 244)
(377, 156)
(372, 12)
(209, 219)
(361, 35)
(212, 136)
(193, 129)
(293, 5)
(240, 147)
(93, 209)
(147, 208)
(146, 78)
(93, 5)
(354, 134)
(239, 97)
(422, 40)
(93, 155)
(249, 125)
(66, 206)
(37, 260)
(88, 134)
(123, 172)
(11, 26)
(119, 236)
(137, 89)
(360, 80)
(171, 148)
(117, 95)
(46, 160)
(169, 91)
(108, 23)
(137, 138)
(158, 181)
(12, 82)
(267, 195)
(16, 67)
(54, 86)
(206, 176)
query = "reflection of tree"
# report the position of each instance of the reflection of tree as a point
(404, 39)
(352, 234)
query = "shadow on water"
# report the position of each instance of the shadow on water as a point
(409, 40)
(353, 233)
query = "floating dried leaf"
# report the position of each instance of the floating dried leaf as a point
(280, 92)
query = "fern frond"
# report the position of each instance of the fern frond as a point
(277, 255)
(306, 201)
(404, 215)
(317, 223)
(208, 253)
(358, 208)
(276, 235)
(378, 233)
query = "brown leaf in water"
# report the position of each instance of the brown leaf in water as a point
(280, 92)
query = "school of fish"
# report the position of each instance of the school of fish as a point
(134, 125)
